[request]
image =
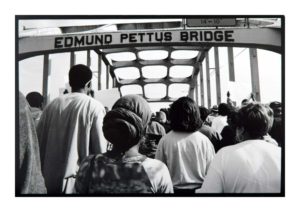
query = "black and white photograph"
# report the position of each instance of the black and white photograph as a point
(128, 106)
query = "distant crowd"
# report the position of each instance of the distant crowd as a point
(76, 146)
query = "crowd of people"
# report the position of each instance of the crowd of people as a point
(77, 146)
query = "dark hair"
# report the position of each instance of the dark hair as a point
(185, 115)
(232, 117)
(256, 119)
(35, 99)
(276, 107)
(204, 112)
(245, 102)
(79, 75)
(223, 109)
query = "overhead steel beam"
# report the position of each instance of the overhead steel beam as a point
(166, 81)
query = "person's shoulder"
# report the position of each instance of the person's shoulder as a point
(154, 164)
(95, 104)
(200, 136)
(55, 103)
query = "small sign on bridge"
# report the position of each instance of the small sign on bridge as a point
(210, 22)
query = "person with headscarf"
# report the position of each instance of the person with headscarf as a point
(124, 170)
(251, 166)
(29, 178)
(186, 152)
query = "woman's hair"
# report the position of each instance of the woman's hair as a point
(124, 126)
(256, 119)
(185, 116)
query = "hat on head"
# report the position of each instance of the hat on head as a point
(126, 123)
(215, 108)
(275, 105)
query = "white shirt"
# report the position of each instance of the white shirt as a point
(218, 123)
(69, 129)
(187, 156)
(253, 166)
(159, 176)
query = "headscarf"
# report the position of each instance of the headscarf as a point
(125, 124)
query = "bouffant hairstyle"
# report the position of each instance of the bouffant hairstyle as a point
(79, 75)
(185, 115)
(256, 119)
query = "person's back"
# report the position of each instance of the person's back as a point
(186, 152)
(219, 123)
(70, 129)
(221, 120)
(127, 175)
(124, 169)
(187, 156)
(249, 167)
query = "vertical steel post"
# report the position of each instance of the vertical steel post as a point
(99, 71)
(197, 92)
(201, 84)
(107, 76)
(254, 73)
(72, 59)
(46, 78)
(208, 80)
(217, 68)
(88, 58)
(231, 64)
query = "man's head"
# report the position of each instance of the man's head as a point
(223, 109)
(35, 99)
(161, 117)
(214, 109)
(254, 121)
(277, 109)
(80, 77)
